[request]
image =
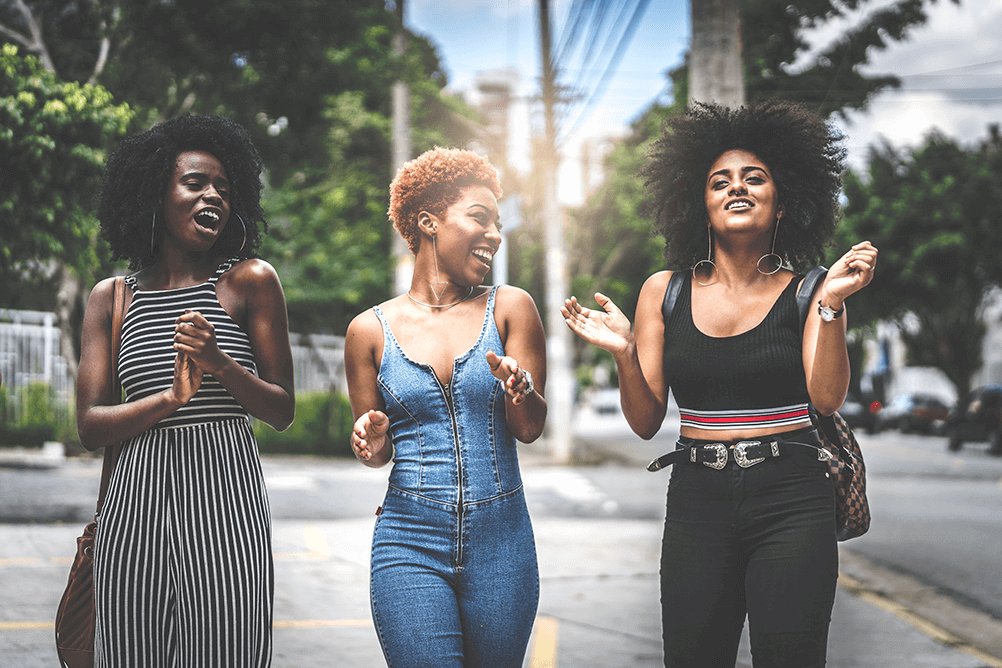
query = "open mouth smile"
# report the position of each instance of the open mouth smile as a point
(738, 205)
(208, 219)
(483, 255)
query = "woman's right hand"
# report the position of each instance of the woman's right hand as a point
(368, 437)
(187, 379)
(608, 329)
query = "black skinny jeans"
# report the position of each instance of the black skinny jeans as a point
(758, 542)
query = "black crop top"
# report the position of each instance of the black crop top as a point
(753, 379)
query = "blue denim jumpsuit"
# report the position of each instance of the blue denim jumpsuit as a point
(454, 580)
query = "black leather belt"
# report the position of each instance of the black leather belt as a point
(744, 453)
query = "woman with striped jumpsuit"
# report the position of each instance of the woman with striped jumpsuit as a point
(182, 562)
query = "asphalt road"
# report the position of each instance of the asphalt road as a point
(922, 588)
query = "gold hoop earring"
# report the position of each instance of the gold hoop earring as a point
(707, 261)
(153, 235)
(244, 226)
(778, 260)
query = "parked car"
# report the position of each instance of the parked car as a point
(978, 417)
(859, 414)
(913, 412)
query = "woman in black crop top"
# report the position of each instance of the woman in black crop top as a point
(743, 197)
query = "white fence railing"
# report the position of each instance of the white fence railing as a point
(30, 352)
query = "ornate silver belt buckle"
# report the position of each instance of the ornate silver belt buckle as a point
(721, 451)
(741, 454)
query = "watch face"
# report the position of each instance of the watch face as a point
(827, 314)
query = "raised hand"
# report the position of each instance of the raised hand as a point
(368, 436)
(513, 378)
(608, 329)
(850, 273)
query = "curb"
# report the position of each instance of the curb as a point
(929, 609)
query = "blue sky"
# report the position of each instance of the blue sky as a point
(952, 69)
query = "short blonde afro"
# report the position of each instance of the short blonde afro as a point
(433, 182)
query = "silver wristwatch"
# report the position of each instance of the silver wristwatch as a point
(528, 379)
(828, 314)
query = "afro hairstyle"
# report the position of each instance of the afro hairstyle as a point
(136, 177)
(433, 182)
(802, 150)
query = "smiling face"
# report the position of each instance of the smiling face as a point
(197, 202)
(741, 195)
(468, 236)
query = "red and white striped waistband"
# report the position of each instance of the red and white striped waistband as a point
(745, 419)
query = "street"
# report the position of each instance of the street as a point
(924, 587)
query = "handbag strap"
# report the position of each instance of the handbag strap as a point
(804, 300)
(806, 292)
(671, 294)
(117, 318)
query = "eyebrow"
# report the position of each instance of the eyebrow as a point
(202, 175)
(744, 170)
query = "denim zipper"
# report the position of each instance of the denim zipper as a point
(459, 470)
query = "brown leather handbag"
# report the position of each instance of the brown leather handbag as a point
(75, 616)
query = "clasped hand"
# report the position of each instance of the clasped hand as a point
(197, 353)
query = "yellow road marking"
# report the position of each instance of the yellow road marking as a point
(25, 626)
(316, 547)
(937, 633)
(321, 623)
(544, 645)
(20, 563)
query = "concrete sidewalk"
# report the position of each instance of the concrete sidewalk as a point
(599, 604)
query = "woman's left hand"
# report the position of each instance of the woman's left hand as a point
(513, 378)
(196, 337)
(850, 273)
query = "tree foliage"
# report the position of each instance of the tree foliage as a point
(610, 244)
(934, 215)
(53, 135)
(312, 83)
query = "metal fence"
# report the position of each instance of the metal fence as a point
(30, 353)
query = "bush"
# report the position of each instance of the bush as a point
(38, 423)
(322, 427)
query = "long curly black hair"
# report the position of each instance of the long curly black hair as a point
(136, 176)
(802, 150)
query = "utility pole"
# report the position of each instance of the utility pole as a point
(401, 147)
(560, 380)
(716, 73)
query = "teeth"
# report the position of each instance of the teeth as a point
(738, 205)
(210, 214)
(483, 255)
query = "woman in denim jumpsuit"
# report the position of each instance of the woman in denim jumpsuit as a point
(443, 380)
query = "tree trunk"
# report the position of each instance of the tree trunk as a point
(716, 73)
(70, 289)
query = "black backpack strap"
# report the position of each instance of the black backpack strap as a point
(671, 294)
(806, 292)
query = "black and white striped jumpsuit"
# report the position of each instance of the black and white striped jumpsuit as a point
(183, 564)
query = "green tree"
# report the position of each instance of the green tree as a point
(934, 215)
(310, 80)
(53, 135)
(610, 244)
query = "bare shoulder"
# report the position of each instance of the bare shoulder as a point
(512, 298)
(364, 329)
(254, 274)
(657, 282)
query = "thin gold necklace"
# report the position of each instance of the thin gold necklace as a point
(416, 301)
